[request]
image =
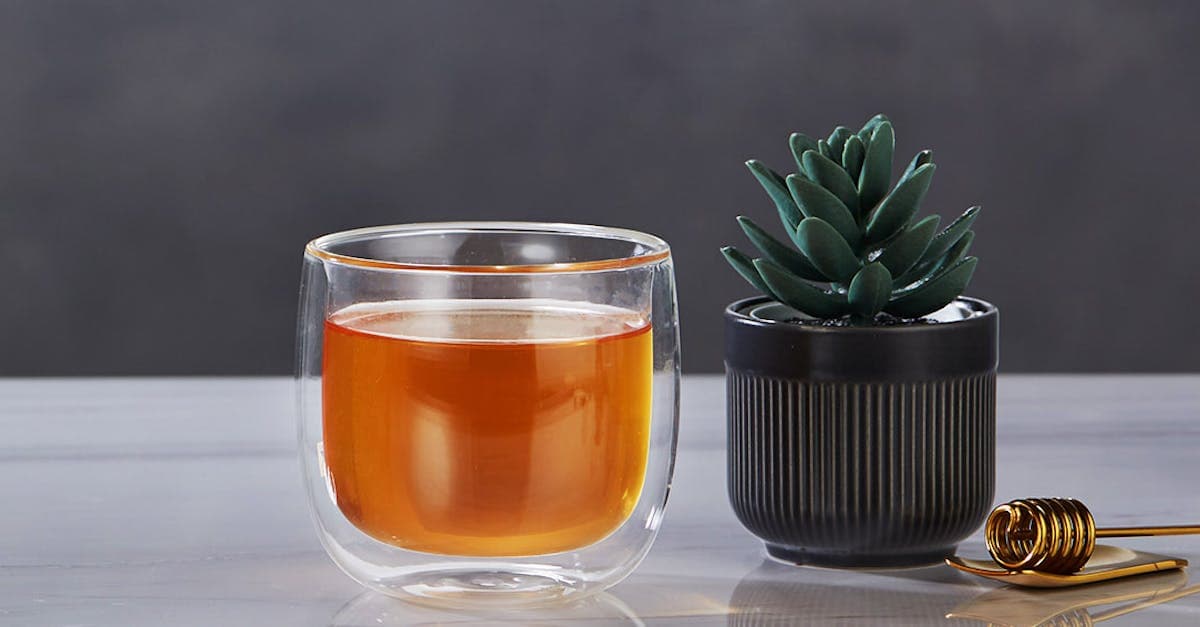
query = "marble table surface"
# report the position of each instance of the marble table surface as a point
(153, 501)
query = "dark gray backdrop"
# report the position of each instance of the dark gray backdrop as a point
(162, 164)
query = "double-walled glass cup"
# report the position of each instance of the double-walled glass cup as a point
(488, 411)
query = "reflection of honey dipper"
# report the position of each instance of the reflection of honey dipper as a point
(1053, 535)
(1074, 606)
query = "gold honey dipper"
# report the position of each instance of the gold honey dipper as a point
(1053, 535)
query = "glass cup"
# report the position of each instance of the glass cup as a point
(488, 410)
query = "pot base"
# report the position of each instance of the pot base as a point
(804, 557)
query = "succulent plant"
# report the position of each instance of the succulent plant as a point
(859, 249)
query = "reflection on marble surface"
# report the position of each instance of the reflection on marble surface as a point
(774, 594)
(178, 502)
(1024, 607)
(375, 610)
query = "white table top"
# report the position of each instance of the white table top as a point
(178, 502)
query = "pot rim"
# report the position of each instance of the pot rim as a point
(735, 312)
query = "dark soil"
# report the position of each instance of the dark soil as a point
(881, 320)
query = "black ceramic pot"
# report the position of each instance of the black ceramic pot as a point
(861, 446)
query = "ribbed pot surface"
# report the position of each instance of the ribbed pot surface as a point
(870, 471)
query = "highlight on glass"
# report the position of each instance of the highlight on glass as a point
(488, 411)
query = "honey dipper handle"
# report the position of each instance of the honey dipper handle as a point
(1180, 530)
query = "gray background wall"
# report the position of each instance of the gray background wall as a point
(162, 164)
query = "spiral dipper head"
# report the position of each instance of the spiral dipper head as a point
(1043, 534)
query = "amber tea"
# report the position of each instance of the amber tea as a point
(487, 427)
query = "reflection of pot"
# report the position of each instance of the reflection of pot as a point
(375, 610)
(1020, 607)
(775, 594)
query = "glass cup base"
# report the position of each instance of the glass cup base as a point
(493, 586)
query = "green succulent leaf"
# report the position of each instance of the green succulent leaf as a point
(787, 217)
(815, 201)
(777, 189)
(952, 256)
(799, 143)
(930, 296)
(779, 252)
(837, 142)
(794, 292)
(852, 156)
(826, 249)
(876, 174)
(926, 270)
(828, 174)
(868, 128)
(745, 267)
(949, 237)
(869, 290)
(904, 251)
(822, 149)
(957, 251)
(921, 158)
(894, 212)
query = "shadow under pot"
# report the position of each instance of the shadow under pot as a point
(861, 446)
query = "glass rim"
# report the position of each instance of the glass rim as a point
(656, 250)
